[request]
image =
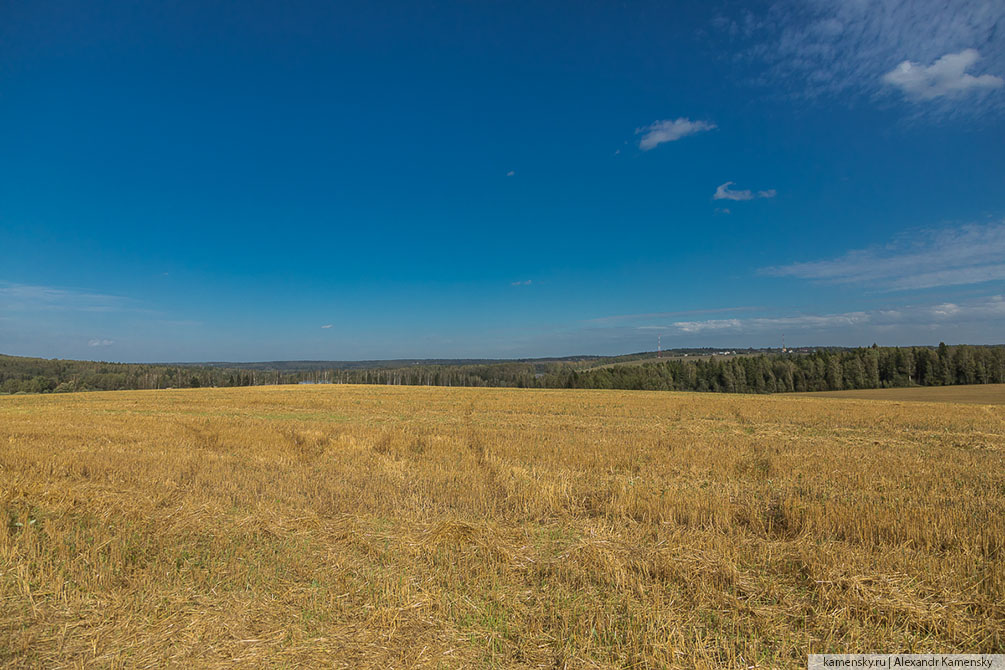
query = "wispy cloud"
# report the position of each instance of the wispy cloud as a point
(100, 343)
(326, 326)
(22, 297)
(659, 132)
(511, 173)
(921, 316)
(667, 315)
(761, 324)
(525, 282)
(945, 77)
(723, 192)
(949, 257)
(854, 50)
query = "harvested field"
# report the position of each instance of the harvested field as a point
(978, 394)
(362, 526)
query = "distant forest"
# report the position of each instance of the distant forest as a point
(807, 370)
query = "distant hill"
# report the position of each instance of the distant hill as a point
(304, 366)
(589, 360)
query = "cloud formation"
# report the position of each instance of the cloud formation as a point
(723, 192)
(511, 173)
(525, 282)
(919, 316)
(945, 77)
(326, 326)
(100, 343)
(856, 49)
(659, 132)
(971, 254)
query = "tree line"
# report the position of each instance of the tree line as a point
(817, 370)
(821, 370)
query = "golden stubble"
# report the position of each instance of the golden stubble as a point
(362, 526)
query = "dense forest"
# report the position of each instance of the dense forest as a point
(41, 375)
(807, 370)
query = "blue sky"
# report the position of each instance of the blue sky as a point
(254, 181)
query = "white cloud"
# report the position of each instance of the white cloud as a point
(978, 310)
(511, 173)
(659, 132)
(525, 282)
(946, 76)
(723, 192)
(957, 277)
(327, 325)
(100, 343)
(826, 49)
(949, 257)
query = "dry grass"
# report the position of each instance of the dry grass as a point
(979, 394)
(354, 526)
